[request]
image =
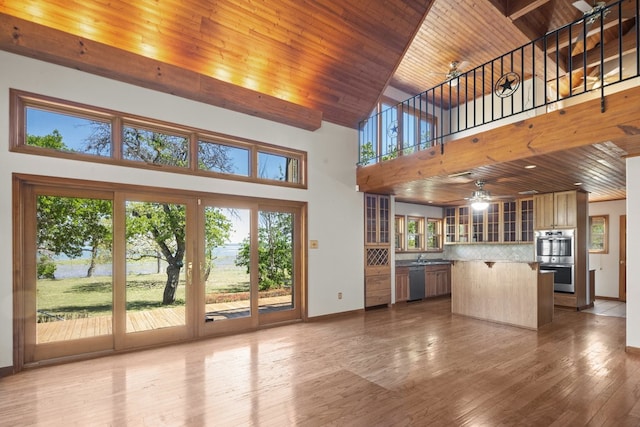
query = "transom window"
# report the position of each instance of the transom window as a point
(53, 127)
(396, 129)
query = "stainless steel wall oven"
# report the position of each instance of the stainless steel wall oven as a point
(555, 250)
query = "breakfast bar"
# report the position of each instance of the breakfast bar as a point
(510, 292)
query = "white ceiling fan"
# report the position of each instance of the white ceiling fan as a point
(611, 76)
(591, 11)
(480, 198)
(454, 72)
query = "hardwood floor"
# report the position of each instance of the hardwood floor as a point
(416, 364)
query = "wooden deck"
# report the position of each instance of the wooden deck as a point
(148, 320)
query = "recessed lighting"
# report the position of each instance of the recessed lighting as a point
(530, 167)
(577, 183)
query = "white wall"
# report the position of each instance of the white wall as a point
(334, 207)
(633, 252)
(606, 265)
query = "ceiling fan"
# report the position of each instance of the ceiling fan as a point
(611, 76)
(454, 72)
(589, 11)
(480, 198)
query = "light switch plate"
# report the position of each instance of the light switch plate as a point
(313, 244)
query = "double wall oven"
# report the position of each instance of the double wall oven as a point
(555, 251)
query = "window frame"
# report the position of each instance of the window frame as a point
(21, 100)
(439, 225)
(605, 234)
(420, 233)
(380, 134)
(400, 240)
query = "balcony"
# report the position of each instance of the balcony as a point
(580, 61)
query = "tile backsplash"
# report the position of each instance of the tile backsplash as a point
(493, 251)
(477, 251)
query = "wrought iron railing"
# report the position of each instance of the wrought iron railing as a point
(526, 81)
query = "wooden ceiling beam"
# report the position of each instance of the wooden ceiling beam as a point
(518, 8)
(611, 51)
(575, 126)
(37, 41)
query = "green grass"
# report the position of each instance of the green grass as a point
(88, 297)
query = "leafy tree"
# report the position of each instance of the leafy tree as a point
(367, 153)
(275, 250)
(53, 140)
(70, 225)
(165, 225)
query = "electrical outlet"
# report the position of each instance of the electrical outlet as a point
(339, 295)
(313, 244)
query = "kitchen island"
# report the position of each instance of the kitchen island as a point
(510, 292)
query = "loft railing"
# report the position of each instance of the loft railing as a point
(526, 81)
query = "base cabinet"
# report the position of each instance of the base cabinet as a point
(402, 284)
(437, 280)
(378, 290)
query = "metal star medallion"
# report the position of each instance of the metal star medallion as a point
(507, 85)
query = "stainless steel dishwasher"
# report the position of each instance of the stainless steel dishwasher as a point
(416, 282)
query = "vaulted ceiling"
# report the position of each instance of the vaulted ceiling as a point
(297, 62)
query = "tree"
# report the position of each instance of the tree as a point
(68, 225)
(275, 250)
(164, 224)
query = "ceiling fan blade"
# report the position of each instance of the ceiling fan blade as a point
(612, 73)
(582, 6)
(462, 65)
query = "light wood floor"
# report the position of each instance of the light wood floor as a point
(414, 365)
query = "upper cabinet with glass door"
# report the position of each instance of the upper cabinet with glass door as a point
(501, 222)
(377, 220)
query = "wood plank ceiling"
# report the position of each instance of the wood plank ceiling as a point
(297, 62)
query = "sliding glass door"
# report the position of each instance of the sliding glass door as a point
(113, 270)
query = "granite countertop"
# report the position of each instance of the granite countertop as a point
(413, 262)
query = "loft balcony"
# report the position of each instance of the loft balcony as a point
(574, 87)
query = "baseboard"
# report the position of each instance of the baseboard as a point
(632, 350)
(608, 298)
(6, 371)
(335, 315)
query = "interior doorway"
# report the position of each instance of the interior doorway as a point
(622, 264)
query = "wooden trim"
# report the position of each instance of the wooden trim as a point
(622, 260)
(357, 312)
(607, 298)
(18, 275)
(632, 350)
(35, 41)
(6, 371)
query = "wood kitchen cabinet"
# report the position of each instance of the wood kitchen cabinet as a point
(377, 272)
(558, 210)
(510, 221)
(437, 280)
(402, 284)
(377, 221)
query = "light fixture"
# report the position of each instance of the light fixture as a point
(453, 82)
(480, 197)
(530, 167)
(479, 205)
